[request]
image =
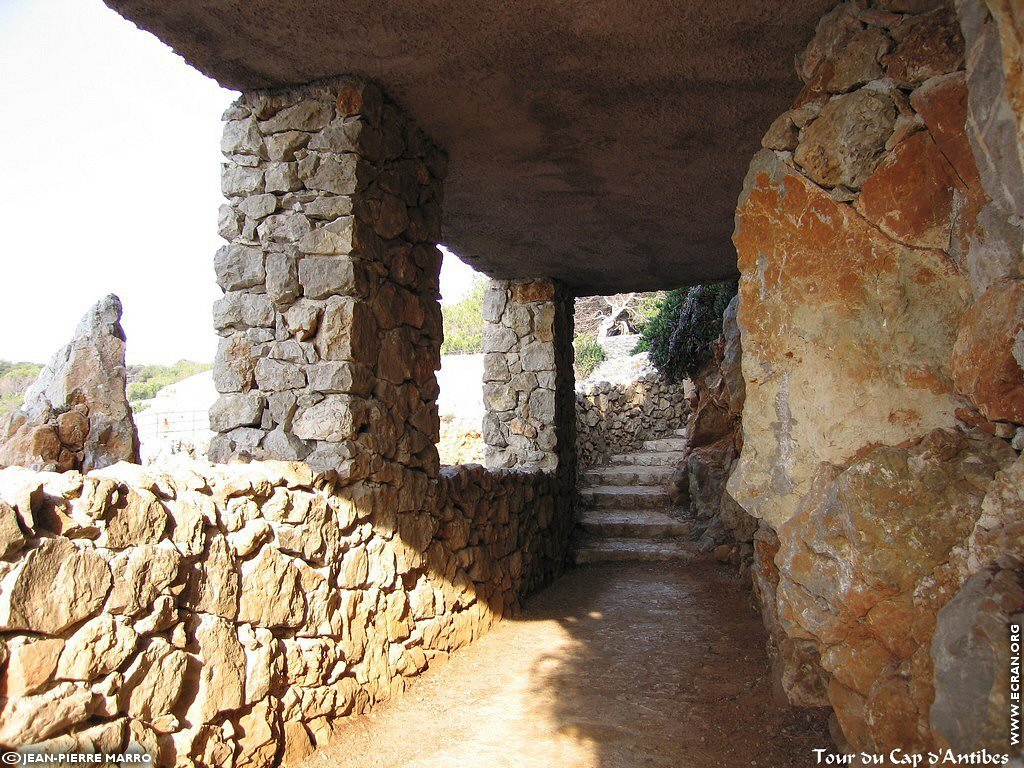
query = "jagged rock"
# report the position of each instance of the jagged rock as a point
(103, 739)
(153, 681)
(139, 518)
(76, 415)
(911, 196)
(1000, 529)
(866, 563)
(271, 596)
(222, 670)
(926, 46)
(984, 367)
(31, 719)
(30, 665)
(843, 145)
(140, 575)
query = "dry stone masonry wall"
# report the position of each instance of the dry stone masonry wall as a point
(229, 615)
(529, 414)
(881, 306)
(616, 418)
(330, 325)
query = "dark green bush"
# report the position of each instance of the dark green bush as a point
(588, 353)
(686, 323)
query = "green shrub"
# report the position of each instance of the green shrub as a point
(464, 324)
(588, 354)
(680, 333)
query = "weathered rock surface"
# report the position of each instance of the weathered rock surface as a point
(866, 563)
(76, 415)
(984, 367)
(970, 653)
(846, 337)
(880, 246)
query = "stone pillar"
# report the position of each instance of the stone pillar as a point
(530, 417)
(330, 324)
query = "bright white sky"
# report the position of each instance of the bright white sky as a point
(109, 183)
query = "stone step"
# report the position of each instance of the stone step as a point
(595, 550)
(646, 459)
(665, 444)
(625, 497)
(635, 523)
(628, 474)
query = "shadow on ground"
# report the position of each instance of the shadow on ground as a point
(612, 666)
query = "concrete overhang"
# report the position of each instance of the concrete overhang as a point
(603, 143)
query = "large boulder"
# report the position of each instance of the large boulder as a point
(76, 415)
(873, 553)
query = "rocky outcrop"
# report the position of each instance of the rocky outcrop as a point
(215, 615)
(879, 244)
(76, 415)
(713, 443)
(872, 554)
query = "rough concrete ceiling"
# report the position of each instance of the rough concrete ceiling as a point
(603, 142)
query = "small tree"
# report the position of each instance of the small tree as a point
(464, 323)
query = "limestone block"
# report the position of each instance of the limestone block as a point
(236, 410)
(27, 594)
(238, 267)
(271, 594)
(844, 143)
(153, 681)
(97, 648)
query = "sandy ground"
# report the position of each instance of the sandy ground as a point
(612, 666)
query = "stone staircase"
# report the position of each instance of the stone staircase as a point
(625, 512)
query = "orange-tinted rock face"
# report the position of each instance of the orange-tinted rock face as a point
(846, 337)
(984, 367)
(880, 247)
(867, 562)
(910, 197)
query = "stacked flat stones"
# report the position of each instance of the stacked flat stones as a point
(330, 325)
(618, 418)
(219, 615)
(529, 417)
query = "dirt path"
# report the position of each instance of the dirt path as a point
(613, 666)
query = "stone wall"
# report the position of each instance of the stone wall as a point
(228, 615)
(330, 324)
(529, 414)
(617, 418)
(879, 243)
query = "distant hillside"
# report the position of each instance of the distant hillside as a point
(144, 381)
(15, 378)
